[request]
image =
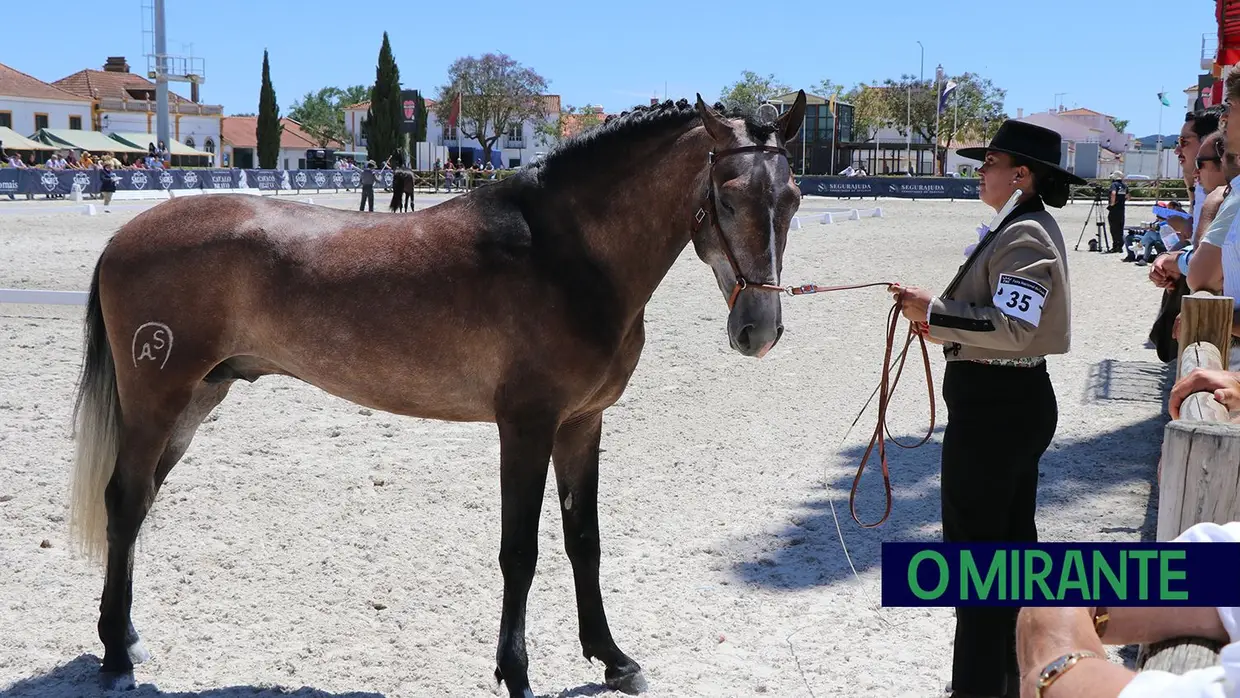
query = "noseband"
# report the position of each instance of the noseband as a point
(708, 209)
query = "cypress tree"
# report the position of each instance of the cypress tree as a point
(383, 138)
(269, 127)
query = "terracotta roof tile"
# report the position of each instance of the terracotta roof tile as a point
(14, 83)
(242, 132)
(102, 83)
(430, 104)
(1081, 111)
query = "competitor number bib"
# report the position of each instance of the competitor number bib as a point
(1020, 298)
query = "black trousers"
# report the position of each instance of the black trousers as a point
(368, 197)
(1000, 420)
(1115, 217)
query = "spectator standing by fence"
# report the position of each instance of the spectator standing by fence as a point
(1115, 210)
(368, 187)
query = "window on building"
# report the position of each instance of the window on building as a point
(189, 142)
(6, 119)
(40, 121)
(209, 146)
(515, 132)
(75, 123)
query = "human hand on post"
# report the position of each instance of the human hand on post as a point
(1223, 384)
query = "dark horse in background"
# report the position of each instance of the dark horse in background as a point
(520, 304)
(402, 191)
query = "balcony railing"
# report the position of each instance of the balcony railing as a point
(1209, 50)
(144, 105)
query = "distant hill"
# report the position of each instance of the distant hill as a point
(1151, 142)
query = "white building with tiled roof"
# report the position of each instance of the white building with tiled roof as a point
(125, 102)
(519, 146)
(240, 138)
(28, 104)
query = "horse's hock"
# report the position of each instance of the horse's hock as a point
(1199, 474)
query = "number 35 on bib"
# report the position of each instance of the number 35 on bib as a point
(1020, 298)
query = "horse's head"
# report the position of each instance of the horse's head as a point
(741, 230)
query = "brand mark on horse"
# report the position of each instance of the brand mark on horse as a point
(152, 342)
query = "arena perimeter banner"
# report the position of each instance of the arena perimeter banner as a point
(37, 181)
(896, 187)
(1061, 574)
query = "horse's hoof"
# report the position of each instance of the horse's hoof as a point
(513, 692)
(117, 681)
(630, 681)
(138, 653)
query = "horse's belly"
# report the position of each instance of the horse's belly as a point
(394, 371)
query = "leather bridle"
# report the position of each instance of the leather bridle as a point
(887, 385)
(708, 209)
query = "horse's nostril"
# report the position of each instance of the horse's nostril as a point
(742, 339)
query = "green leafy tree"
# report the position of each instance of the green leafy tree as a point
(748, 93)
(385, 116)
(321, 114)
(870, 110)
(269, 128)
(571, 121)
(1120, 124)
(827, 87)
(976, 104)
(496, 92)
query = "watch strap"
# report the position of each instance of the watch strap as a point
(1060, 666)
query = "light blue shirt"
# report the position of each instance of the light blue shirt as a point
(1217, 233)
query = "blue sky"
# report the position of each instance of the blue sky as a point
(1109, 57)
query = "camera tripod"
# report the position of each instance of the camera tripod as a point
(1095, 210)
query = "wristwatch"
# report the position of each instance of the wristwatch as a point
(1059, 667)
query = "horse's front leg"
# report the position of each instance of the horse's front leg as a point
(576, 471)
(525, 448)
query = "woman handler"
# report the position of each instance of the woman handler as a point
(1008, 307)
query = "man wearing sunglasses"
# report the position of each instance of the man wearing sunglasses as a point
(1208, 190)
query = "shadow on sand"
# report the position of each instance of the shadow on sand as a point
(807, 552)
(80, 678)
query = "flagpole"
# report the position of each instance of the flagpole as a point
(908, 133)
(938, 95)
(1158, 149)
(834, 130)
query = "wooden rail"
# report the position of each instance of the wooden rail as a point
(1199, 475)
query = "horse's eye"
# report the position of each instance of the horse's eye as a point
(727, 207)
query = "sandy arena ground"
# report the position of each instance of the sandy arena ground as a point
(305, 543)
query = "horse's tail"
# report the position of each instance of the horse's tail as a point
(398, 190)
(97, 426)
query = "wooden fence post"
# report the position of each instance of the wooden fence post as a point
(1199, 474)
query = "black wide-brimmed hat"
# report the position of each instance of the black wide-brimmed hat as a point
(1029, 141)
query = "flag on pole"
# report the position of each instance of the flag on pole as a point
(1162, 97)
(455, 114)
(948, 88)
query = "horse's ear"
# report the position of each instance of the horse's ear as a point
(712, 121)
(790, 122)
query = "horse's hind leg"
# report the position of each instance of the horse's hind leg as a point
(152, 441)
(576, 471)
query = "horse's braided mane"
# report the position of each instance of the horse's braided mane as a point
(617, 132)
